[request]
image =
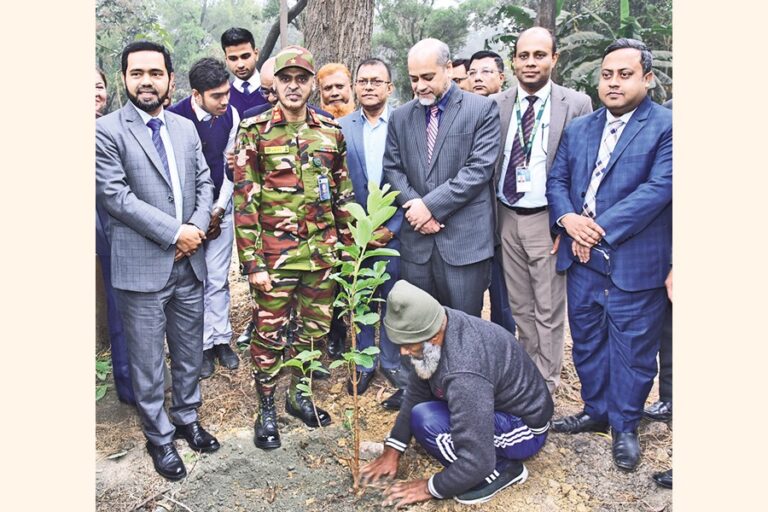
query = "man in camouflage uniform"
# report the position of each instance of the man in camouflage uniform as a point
(291, 184)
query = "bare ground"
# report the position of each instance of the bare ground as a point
(309, 472)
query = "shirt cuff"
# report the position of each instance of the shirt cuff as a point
(559, 221)
(397, 445)
(431, 488)
(178, 233)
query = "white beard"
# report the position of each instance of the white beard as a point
(430, 358)
(426, 102)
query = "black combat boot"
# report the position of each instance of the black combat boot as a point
(299, 406)
(265, 433)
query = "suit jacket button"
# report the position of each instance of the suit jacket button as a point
(170, 199)
(583, 194)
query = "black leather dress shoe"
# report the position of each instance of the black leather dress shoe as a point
(245, 339)
(398, 377)
(394, 402)
(659, 411)
(209, 363)
(578, 423)
(626, 450)
(664, 478)
(364, 381)
(167, 461)
(227, 357)
(265, 431)
(197, 437)
(335, 346)
(303, 410)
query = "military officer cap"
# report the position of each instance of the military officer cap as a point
(294, 57)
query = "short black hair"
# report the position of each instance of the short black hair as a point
(235, 36)
(146, 46)
(484, 54)
(460, 62)
(206, 74)
(374, 61)
(103, 76)
(551, 35)
(646, 57)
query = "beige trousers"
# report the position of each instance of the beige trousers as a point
(536, 290)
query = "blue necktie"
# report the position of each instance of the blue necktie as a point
(154, 125)
(246, 85)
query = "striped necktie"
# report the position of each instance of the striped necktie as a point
(154, 125)
(517, 156)
(603, 157)
(431, 131)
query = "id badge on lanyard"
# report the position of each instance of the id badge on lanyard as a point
(523, 172)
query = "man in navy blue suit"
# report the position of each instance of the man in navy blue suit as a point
(610, 195)
(365, 131)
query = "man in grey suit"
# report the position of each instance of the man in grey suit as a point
(440, 153)
(533, 117)
(152, 179)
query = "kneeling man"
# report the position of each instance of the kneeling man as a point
(475, 401)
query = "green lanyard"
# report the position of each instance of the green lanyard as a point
(528, 145)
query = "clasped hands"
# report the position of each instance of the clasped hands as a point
(585, 232)
(190, 238)
(420, 218)
(400, 493)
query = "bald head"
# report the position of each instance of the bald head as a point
(433, 48)
(537, 33)
(267, 73)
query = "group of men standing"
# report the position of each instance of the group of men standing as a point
(512, 190)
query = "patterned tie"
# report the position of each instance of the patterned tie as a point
(517, 157)
(246, 85)
(603, 157)
(431, 131)
(155, 124)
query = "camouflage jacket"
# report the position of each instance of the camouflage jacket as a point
(291, 184)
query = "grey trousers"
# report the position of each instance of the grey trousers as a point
(175, 313)
(457, 287)
(536, 290)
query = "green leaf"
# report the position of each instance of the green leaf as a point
(363, 232)
(101, 390)
(381, 252)
(318, 367)
(367, 319)
(307, 355)
(371, 351)
(356, 210)
(336, 363)
(295, 363)
(363, 360)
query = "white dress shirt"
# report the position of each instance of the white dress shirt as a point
(253, 83)
(225, 194)
(538, 162)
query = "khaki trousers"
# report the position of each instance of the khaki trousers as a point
(536, 290)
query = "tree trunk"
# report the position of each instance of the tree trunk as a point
(546, 18)
(339, 31)
(274, 33)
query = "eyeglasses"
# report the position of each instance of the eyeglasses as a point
(364, 82)
(485, 72)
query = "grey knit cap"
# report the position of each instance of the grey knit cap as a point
(413, 315)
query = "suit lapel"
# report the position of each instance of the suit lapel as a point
(594, 138)
(557, 116)
(419, 122)
(177, 142)
(446, 120)
(140, 131)
(635, 124)
(357, 144)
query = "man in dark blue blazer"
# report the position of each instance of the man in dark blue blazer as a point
(365, 131)
(610, 195)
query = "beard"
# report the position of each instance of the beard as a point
(427, 102)
(426, 366)
(147, 106)
(338, 110)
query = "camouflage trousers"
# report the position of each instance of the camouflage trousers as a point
(292, 316)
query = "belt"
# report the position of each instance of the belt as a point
(524, 211)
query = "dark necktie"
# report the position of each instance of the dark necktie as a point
(246, 85)
(517, 157)
(154, 125)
